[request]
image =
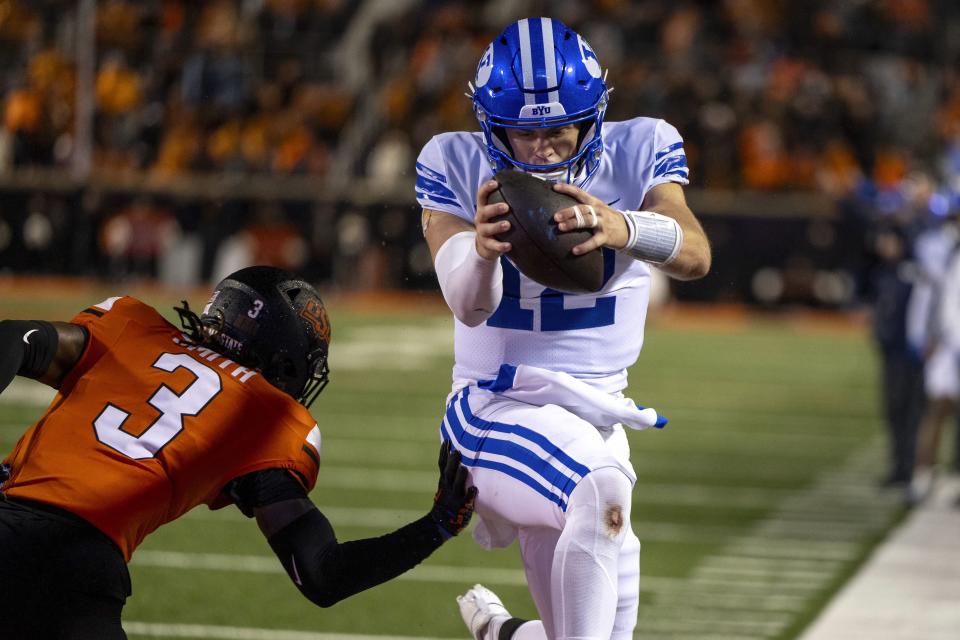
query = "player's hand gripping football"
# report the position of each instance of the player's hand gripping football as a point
(453, 502)
(487, 244)
(609, 227)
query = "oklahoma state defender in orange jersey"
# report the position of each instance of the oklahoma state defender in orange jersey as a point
(146, 427)
(151, 421)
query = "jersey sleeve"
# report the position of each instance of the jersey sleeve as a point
(278, 441)
(670, 160)
(433, 185)
(104, 323)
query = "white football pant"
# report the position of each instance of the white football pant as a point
(563, 487)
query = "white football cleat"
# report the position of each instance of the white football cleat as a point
(478, 607)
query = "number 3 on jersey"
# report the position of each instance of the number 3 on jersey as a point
(554, 316)
(172, 407)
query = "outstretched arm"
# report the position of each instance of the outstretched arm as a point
(37, 349)
(327, 571)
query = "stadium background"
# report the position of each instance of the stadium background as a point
(150, 147)
(171, 139)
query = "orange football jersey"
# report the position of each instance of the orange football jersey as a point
(147, 426)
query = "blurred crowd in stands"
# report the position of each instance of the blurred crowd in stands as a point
(769, 94)
(179, 86)
(856, 100)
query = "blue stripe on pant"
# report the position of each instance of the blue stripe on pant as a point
(453, 429)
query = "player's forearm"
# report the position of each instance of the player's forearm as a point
(692, 262)
(472, 285)
(27, 348)
(694, 256)
(326, 571)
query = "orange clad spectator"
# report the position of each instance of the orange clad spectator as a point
(23, 112)
(762, 155)
(117, 87)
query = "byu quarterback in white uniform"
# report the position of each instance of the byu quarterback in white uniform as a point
(536, 407)
(590, 336)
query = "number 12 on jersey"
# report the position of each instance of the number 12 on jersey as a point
(554, 316)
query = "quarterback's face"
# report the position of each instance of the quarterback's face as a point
(543, 146)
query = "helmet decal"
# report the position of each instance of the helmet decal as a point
(589, 58)
(485, 68)
(213, 296)
(538, 70)
(551, 109)
(314, 314)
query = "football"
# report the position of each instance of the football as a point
(539, 250)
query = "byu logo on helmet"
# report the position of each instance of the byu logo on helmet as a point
(540, 74)
(550, 109)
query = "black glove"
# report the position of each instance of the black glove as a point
(453, 502)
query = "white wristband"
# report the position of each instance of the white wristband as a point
(471, 284)
(652, 237)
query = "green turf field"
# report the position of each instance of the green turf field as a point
(753, 505)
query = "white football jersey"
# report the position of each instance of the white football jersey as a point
(933, 250)
(593, 336)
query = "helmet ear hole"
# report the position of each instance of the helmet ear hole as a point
(293, 293)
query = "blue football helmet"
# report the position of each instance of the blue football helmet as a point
(540, 74)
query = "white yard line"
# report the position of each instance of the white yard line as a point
(670, 635)
(27, 392)
(756, 546)
(378, 518)
(269, 564)
(406, 480)
(700, 585)
(165, 630)
(694, 621)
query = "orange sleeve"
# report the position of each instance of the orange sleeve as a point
(279, 435)
(105, 323)
(102, 332)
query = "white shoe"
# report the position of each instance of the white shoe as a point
(921, 486)
(478, 607)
